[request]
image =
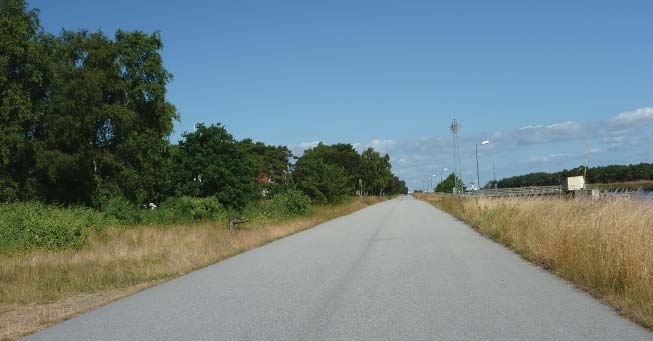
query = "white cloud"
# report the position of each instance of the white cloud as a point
(555, 132)
(633, 118)
(548, 158)
(596, 150)
(614, 141)
(382, 146)
(298, 149)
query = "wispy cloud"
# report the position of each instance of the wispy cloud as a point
(549, 158)
(298, 149)
(537, 134)
(381, 145)
(633, 118)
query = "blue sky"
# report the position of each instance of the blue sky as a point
(537, 78)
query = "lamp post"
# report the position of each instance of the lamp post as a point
(441, 170)
(478, 176)
(494, 176)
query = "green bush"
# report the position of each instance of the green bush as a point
(28, 224)
(290, 203)
(25, 225)
(120, 211)
(185, 210)
(178, 210)
(259, 211)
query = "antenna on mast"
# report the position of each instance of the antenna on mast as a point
(457, 168)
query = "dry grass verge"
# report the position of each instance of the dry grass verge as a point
(39, 289)
(604, 246)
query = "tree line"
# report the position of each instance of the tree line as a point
(601, 174)
(84, 118)
(595, 175)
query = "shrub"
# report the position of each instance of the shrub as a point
(290, 203)
(185, 210)
(284, 204)
(119, 210)
(206, 208)
(28, 224)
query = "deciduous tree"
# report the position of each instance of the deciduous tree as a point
(209, 162)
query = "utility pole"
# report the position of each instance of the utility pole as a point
(494, 176)
(587, 156)
(442, 170)
(478, 176)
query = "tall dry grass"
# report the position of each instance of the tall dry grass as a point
(42, 288)
(603, 246)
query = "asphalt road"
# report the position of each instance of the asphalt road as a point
(397, 270)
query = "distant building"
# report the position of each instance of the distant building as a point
(265, 178)
(575, 183)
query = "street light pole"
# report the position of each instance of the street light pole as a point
(478, 176)
(433, 189)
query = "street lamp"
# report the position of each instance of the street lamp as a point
(478, 176)
(494, 176)
(432, 189)
(441, 170)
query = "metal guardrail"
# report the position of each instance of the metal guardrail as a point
(634, 195)
(638, 195)
(519, 191)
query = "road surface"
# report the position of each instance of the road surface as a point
(397, 270)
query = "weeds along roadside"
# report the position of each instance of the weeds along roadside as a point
(25, 226)
(43, 286)
(603, 246)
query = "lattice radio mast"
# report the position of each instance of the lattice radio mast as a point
(457, 168)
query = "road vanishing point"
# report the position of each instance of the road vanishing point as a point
(397, 270)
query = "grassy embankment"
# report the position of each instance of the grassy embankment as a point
(604, 246)
(42, 286)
